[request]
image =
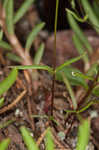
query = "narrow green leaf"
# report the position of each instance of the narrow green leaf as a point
(4, 144)
(41, 67)
(77, 17)
(91, 14)
(39, 54)
(68, 62)
(69, 88)
(83, 135)
(74, 80)
(13, 57)
(79, 32)
(77, 74)
(28, 140)
(9, 17)
(79, 46)
(1, 102)
(8, 81)
(95, 5)
(5, 45)
(95, 91)
(22, 10)
(49, 140)
(33, 34)
(1, 34)
(93, 70)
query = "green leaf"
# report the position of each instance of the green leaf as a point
(1, 102)
(4, 144)
(1, 34)
(49, 140)
(79, 46)
(95, 90)
(77, 17)
(22, 10)
(33, 35)
(74, 80)
(39, 54)
(93, 70)
(68, 62)
(5, 45)
(91, 14)
(41, 67)
(13, 57)
(8, 81)
(9, 17)
(83, 135)
(79, 32)
(28, 140)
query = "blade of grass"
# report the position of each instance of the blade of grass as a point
(4, 144)
(5, 45)
(28, 140)
(49, 140)
(69, 88)
(9, 17)
(39, 54)
(13, 57)
(41, 67)
(70, 61)
(91, 15)
(80, 48)
(83, 135)
(1, 34)
(1, 102)
(8, 81)
(22, 10)
(77, 17)
(79, 32)
(32, 35)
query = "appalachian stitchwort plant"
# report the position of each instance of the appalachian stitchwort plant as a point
(65, 72)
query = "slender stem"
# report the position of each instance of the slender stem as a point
(54, 58)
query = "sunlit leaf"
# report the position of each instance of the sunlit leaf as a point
(8, 81)
(4, 144)
(32, 35)
(28, 140)
(49, 140)
(83, 135)
(1, 101)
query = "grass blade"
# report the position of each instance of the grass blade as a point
(69, 88)
(13, 57)
(22, 10)
(5, 45)
(91, 14)
(49, 140)
(28, 140)
(8, 81)
(41, 67)
(39, 54)
(83, 135)
(32, 35)
(79, 32)
(1, 102)
(68, 62)
(80, 48)
(4, 144)
(9, 17)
